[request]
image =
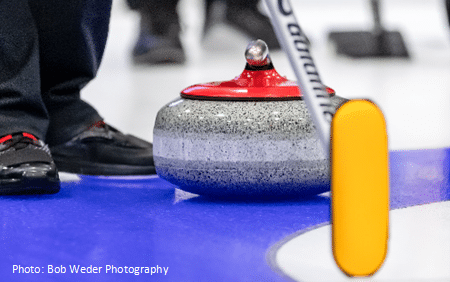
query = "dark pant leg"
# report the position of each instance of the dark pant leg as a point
(21, 105)
(72, 38)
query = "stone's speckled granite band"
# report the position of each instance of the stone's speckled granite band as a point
(235, 148)
(257, 149)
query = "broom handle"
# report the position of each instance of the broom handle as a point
(375, 5)
(295, 45)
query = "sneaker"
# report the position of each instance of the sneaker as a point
(27, 166)
(159, 41)
(103, 150)
(245, 17)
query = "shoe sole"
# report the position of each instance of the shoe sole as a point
(33, 178)
(29, 186)
(88, 168)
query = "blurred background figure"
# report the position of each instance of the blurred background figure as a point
(159, 36)
(447, 5)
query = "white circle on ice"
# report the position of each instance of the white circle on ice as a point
(418, 249)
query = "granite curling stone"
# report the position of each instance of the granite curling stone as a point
(251, 137)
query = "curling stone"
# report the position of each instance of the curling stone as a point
(250, 137)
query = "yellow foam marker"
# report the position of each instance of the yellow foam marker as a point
(359, 188)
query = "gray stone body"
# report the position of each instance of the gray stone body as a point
(241, 149)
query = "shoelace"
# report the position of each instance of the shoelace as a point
(101, 126)
(18, 141)
(98, 129)
(98, 124)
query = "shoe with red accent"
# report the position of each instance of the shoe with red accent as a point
(26, 166)
(103, 150)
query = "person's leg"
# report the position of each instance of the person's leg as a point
(21, 105)
(447, 7)
(244, 16)
(72, 38)
(25, 160)
(159, 33)
(134, 4)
